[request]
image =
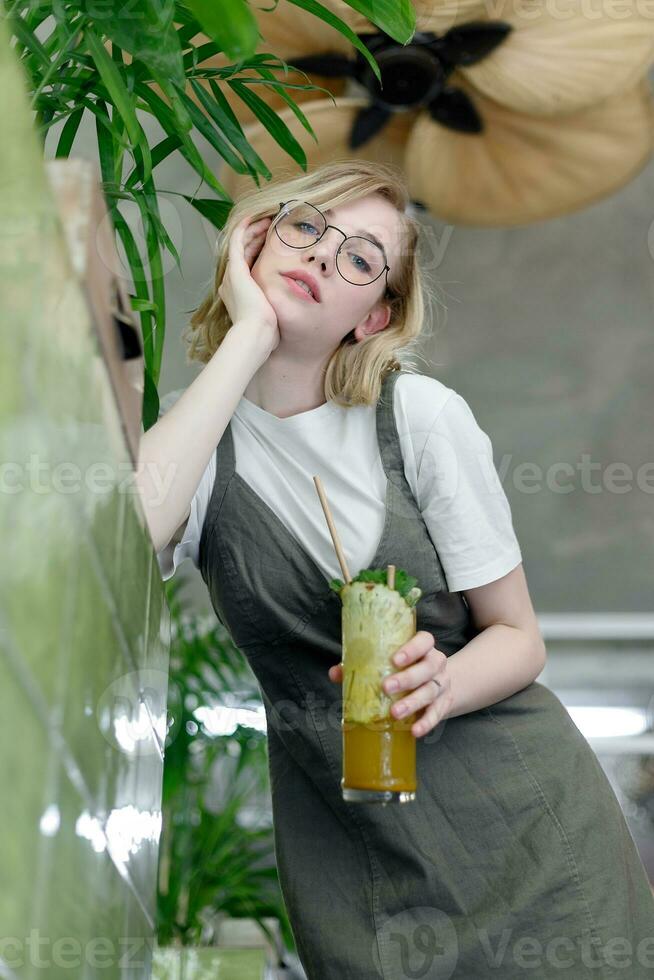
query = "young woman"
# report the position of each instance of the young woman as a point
(515, 855)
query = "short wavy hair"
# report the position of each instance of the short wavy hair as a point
(356, 369)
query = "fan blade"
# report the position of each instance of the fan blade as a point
(367, 124)
(455, 110)
(469, 43)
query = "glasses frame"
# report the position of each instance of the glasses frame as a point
(386, 268)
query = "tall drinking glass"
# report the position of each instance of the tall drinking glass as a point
(379, 751)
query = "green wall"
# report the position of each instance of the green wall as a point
(84, 627)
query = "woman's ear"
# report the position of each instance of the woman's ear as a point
(373, 322)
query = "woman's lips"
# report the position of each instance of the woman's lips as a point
(299, 290)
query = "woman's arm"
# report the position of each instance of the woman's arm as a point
(509, 652)
(174, 452)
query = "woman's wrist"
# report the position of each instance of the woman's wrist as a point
(256, 340)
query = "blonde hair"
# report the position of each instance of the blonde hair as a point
(355, 370)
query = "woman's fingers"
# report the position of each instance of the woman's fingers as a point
(430, 717)
(247, 240)
(418, 698)
(254, 238)
(254, 246)
(241, 236)
(336, 673)
(430, 664)
(416, 647)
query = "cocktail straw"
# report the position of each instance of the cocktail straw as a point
(390, 576)
(332, 529)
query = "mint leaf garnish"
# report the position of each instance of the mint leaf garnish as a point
(405, 584)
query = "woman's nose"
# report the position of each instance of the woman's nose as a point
(325, 250)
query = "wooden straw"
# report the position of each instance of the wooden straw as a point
(390, 576)
(332, 529)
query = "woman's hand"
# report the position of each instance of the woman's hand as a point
(244, 299)
(422, 664)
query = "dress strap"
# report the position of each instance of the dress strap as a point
(225, 468)
(387, 435)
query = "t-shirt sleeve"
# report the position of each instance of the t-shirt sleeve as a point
(170, 557)
(173, 555)
(462, 500)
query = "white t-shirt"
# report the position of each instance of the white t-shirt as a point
(448, 462)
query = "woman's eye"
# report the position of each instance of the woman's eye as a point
(365, 265)
(306, 224)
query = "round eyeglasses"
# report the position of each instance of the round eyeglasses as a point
(359, 260)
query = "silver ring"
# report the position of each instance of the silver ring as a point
(436, 682)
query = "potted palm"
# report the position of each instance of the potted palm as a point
(216, 859)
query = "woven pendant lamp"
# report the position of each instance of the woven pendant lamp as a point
(495, 121)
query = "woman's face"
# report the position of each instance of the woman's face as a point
(317, 328)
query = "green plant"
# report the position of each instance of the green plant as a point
(103, 57)
(211, 859)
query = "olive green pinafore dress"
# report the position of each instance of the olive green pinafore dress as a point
(514, 860)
